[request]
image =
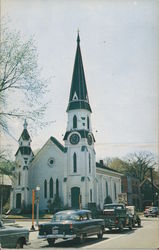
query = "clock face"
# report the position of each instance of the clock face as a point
(89, 139)
(74, 139)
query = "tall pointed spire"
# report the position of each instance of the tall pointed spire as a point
(25, 125)
(78, 94)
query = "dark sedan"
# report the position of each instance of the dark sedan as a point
(13, 237)
(71, 224)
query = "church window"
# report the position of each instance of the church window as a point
(115, 190)
(87, 122)
(106, 186)
(57, 187)
(45, 189)
(51, 187)
(19, 179)
(74, 163)
(90, 195)
(75, 121)
(89, 160)
(51, 162)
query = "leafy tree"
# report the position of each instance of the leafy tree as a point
(19, 76)
(6, 167)
(116, 164)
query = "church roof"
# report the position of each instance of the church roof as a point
(101, 165)
(25, 135)
(24, 150)
(78, 94)
(58, 144)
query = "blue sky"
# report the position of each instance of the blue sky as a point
(120, 50)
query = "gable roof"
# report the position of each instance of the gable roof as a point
(58, 144)
(25, 135)
(149, 180)
(78, 94)
(102, 166)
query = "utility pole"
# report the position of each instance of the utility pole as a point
(33, 200)
(151, 169)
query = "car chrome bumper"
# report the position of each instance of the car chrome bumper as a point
(57, 236)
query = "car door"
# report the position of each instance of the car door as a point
(92, 225)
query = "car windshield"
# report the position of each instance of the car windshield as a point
(65, 216)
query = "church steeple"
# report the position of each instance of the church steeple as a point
(78, 94)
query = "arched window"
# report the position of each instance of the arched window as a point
(75, 121)
(51, 187)
(89, 162)
(87, 122)
(90, 195)
(74, 163)
(115, 190)
(19, 179)
(57, 187)
(45, 189)
(106, 188)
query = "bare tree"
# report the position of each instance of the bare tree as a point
(139, 164)
(19, 76)
(136, 164)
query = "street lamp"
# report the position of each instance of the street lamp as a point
(37, 205)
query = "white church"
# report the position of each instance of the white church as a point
(70, 170)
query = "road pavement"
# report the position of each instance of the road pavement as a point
(139, 238)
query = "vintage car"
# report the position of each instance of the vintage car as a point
(146, 211)
(71, 224)
(13, 237)
(152, 211)
(116, 216)
(136, 218)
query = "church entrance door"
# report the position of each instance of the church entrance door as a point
(75, 197)
(18, 200)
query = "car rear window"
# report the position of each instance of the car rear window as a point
(65, 216)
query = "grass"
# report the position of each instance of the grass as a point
(27, 216)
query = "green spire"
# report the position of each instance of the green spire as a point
(78, 94)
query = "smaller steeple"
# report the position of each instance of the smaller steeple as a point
(24, 141)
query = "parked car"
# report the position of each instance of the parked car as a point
(13, 237)
(136, 218)
(153, 211)
(116, 216)
(146, 211)
(71, 224)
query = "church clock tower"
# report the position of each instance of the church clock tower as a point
(81, 162)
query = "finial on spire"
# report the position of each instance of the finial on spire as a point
(25, 124)
(78, 37)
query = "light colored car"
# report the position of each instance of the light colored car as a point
(13, 237)
(153, 211)
(146, 211)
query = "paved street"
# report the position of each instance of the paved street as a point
(145, 237)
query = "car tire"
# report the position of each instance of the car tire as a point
(139, 223)
(131, 225)
(19, 244)
(100, 234)
(51, 242)
(121, 227)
